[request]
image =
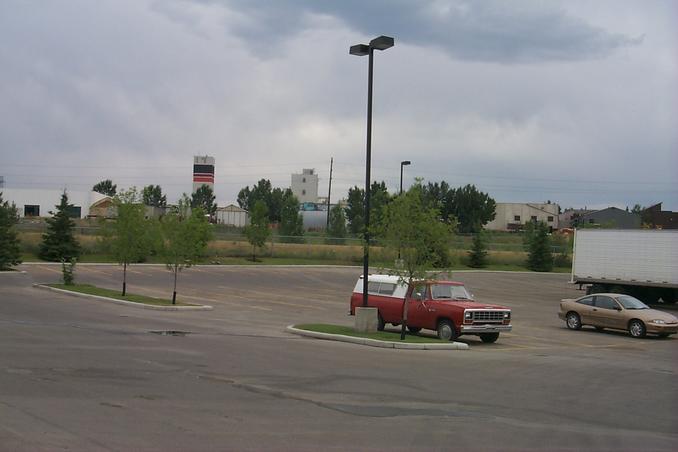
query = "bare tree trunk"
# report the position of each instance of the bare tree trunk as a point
(174, 293)
(404, 324)
(124, 278)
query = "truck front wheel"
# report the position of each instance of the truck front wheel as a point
(489, 338)
(446, 331)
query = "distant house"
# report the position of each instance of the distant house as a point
(232, 215)
(660, 219)
(610, 217)
(511, 216)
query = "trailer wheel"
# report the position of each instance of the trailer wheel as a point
(669, 296)
(596, 288)
(620, 290)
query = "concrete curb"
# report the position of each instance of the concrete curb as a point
(375, 342)
(124, 302)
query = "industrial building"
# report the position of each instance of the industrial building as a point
(305, 186)
(612, 217)
(511, 216)
(660, 219)
(33, 202)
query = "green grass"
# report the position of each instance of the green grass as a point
(389, 336)
(93, 290)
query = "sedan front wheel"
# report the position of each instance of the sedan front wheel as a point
(637, 328)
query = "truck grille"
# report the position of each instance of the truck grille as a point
(488, 316)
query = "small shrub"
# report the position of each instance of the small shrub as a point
(478, 254)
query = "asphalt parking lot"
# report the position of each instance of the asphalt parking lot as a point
(87, 375)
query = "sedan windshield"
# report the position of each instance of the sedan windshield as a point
(447, 291)
(631, 303)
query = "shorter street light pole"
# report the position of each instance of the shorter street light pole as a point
(380, 43)
(403, 163)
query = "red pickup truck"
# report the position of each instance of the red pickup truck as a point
(443, 306)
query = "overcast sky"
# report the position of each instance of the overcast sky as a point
(574, 102)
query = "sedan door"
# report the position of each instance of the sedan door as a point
(584, 307)
(607, 313)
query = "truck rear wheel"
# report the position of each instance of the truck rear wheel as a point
(380, 322)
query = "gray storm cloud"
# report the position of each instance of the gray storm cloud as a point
(506, 95)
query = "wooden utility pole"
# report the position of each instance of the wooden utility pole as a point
(329, 193)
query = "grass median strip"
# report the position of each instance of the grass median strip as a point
(93, 290)
(389, 336)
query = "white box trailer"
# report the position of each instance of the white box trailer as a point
(642, 263)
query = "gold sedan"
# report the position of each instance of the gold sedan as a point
(616, 311)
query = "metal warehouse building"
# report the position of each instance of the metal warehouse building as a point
(31, 202)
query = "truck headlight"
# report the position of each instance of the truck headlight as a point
(468, 315)
(507, 315)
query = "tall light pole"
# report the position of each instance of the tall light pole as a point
(403, 163)
(380, 43)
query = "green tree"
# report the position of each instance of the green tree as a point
(10, 253)
(257, 232)
(274, 198)
(478, 254)
(128, 237)
(59, 243)
(291, 221)
(185, 234)
(563, 244)
(409, 226)
(437, 196)
(152, 196)
(105, 187)
(203, 198)
(472, 208)
(355, 210)
(337, 229)
(262, 191)
(539, 256)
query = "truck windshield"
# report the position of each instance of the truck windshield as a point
(447, 291)
(631, 303)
